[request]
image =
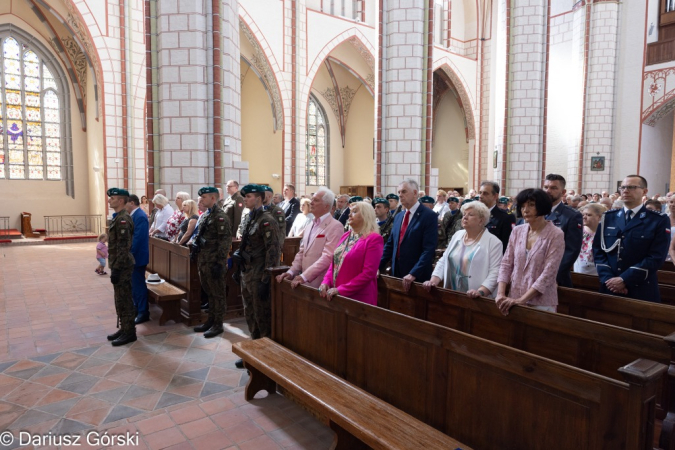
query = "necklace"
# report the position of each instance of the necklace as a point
(468, 242)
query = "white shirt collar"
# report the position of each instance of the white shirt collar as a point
(324, 217)
(635, 210)
(414, 208)
(134, 210)
(559, 203)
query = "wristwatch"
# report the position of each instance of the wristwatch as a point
(482, 294)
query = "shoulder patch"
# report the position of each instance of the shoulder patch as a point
(123, 222)
(220, 219)
(266, 224)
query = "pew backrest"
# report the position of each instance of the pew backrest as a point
(483, 393)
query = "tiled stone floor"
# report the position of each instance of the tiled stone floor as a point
(174, 388)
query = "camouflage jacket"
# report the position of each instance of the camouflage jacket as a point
(214, 237)
(120, 237)
(262, 241)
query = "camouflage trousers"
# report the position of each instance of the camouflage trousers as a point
(214, 286)
(257, 303)
(124, 303)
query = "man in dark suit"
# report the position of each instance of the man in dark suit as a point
(342, 211)
(570, 221)
(631, 244)
(501, 223)
(411, 246)
(140, 248)
(290, 205)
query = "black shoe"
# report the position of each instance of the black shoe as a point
(204, 327)
(239, 364)
(204, 306)
(115, 335)
(141, 318)
(124, 339)
(215, 330)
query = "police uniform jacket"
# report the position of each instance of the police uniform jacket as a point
(120, 238)
(501, 224)
(633, 251)
(570, 221)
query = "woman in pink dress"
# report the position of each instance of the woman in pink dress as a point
(353, 272)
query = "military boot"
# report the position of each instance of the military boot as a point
(204, 327)
(115, 335)
(125, 338)
(215, 330)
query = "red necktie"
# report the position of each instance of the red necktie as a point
(404, 227)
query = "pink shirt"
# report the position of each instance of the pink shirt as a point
(103, 249)
(536, 268)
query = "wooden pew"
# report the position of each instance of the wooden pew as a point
(485, 394)
(167, 297)
(668, 266)
(172, 263)
(290, 249)
(588, 345)
(592, 283)
(359, 419)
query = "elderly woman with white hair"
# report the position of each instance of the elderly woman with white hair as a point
(471, 262)
(158, 227)
(177, 218)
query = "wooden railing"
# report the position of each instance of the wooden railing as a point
(661, 51)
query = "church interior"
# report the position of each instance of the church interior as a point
(355, 95)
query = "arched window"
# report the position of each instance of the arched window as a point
(317, 145)
(31, 114)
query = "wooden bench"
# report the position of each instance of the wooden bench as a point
(482, 393)
(290, 249)
(167, 297)
(359, 419)
(592, 283)
(593, 346)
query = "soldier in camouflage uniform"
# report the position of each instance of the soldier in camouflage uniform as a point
(276, 212)
(121, 262)
(213, 243)
(381, 206)
(452, 223)
(386, 227)
(234, 205)
(261, 242)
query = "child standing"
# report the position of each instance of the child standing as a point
(101, 254)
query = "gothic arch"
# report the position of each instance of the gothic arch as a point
(266, 72)
(667, 106)
(453, 80)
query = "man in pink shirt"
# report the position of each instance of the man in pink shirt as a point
(318, 243)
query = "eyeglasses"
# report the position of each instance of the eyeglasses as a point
(629, 188)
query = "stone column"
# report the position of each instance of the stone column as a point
(602, 44)
(403, 107)
(183, 98)
(526, 82)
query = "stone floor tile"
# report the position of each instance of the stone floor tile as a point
(187, 414)
(169, 399)
(58, 408)
(164, 438)
(154, 424)
(243, 431)
(121, 412)
(214, 440)
(262, 442)
(198, 427)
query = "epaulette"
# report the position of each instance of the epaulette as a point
(613, 211)
(653, 212)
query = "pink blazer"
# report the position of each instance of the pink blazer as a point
(314, 257)
(537, 268)
(357, 278)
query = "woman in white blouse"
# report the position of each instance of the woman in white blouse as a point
(471, 262)
(158, 227)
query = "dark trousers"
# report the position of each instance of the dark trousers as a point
(139, 290)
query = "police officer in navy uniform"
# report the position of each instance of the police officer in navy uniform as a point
(631, 244)
(570, 221)
(501, 223)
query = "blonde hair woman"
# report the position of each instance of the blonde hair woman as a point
(190, 215)
(301, 220)
(592, 213)
(353, 272)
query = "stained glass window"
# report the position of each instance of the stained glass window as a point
(317, 145)
(30, 118)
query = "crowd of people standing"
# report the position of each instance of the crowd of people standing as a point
(514, 250)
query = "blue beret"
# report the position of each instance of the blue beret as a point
(355, 198)
(117, 191)
(380, 200)
(427, 199)
(392, 196)
(468, 200)
(453, 199)
(267, 189)
(252, 189)
(503, 200)
(207, 190)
